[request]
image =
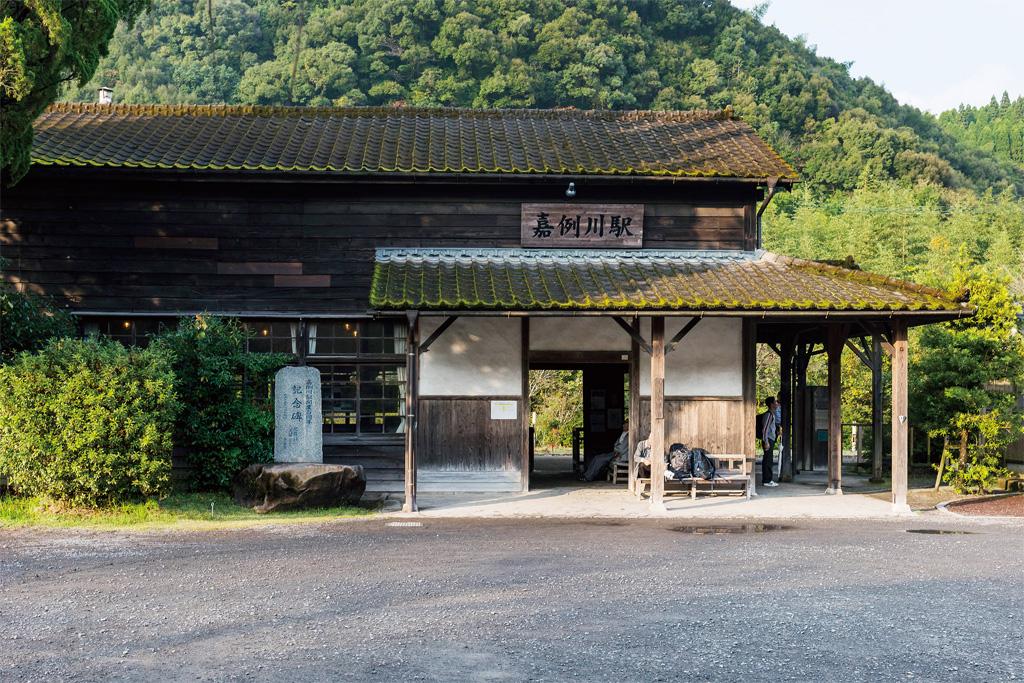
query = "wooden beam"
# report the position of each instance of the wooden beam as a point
(657, 438)
(864, 357)
(633, 334)
(432, 337)
(800, 399)
(836, 341)
(411, 401)
(749, 375)
(680, 334)
(634, 404)
(900, 421)
(525, 417)
(876, 408)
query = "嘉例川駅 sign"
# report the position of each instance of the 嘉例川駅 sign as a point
(605, 226)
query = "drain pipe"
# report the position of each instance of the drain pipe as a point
(772, 184)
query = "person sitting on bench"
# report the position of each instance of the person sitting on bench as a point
(620, 451)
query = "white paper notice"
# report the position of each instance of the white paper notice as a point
(503, 410)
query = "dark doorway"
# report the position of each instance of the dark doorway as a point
(600, 409)
(604, 401)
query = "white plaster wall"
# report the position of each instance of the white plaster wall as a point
(707, 362)
(577, 334)
(473, 357)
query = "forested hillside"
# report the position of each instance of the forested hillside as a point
(997, 128)
(900, 191)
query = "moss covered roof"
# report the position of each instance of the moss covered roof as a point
(364, 140)
(537, 279)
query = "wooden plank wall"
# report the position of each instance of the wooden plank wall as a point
(457, 434)
(115, 243)
(714, 424)
(383, 463)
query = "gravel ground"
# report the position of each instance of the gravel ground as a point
(1003, 506)
(517, 600)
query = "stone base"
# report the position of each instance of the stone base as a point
(271, 487)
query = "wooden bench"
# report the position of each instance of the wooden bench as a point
(618, 470)
(731, 477)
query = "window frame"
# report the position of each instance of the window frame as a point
(301, 357)
(132, 336)
(358, 359)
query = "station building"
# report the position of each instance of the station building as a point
(424, 260)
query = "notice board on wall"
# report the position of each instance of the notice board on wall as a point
(504, 410)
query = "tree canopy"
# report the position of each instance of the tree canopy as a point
(996, 128)
(963, 374)
(45, 44)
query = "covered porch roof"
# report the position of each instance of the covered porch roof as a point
(666, 282)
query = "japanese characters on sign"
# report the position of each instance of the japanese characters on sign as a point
(607, 226)
(298, 433)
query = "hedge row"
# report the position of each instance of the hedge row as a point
(90, 422)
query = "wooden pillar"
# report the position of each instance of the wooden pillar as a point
(634, 404)
(836, 341)
(525, 416)
(750, 408)
(786, 399)
(799, 401)
(900, 424)
(412, 353)
(878, 442)
(657, 437)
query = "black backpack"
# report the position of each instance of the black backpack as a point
(701, 466)
(679, 460)
(762, 418)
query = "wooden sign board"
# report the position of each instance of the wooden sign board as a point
(593, 226)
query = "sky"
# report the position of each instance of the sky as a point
(931, 54)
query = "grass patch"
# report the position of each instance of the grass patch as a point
(194, 510)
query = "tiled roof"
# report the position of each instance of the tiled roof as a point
(363, 140)
(525, 279)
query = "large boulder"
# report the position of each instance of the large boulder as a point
(270, 487)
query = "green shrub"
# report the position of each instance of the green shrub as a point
(28, 321)
(227, 418)
(87, 422)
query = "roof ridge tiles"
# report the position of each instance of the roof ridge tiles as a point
(147, 109)
(525, 254)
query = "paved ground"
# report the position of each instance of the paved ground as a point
(496, 600)
(556, 492)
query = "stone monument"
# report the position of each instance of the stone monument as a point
(298, 416)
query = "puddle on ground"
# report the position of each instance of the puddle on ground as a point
(942, 532)
(717, 529)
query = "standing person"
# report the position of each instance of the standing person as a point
(769, 434)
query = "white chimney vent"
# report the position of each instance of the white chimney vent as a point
(106, 95)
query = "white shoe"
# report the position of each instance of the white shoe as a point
(771, 483)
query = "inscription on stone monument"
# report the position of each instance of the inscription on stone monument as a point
(298, 416)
